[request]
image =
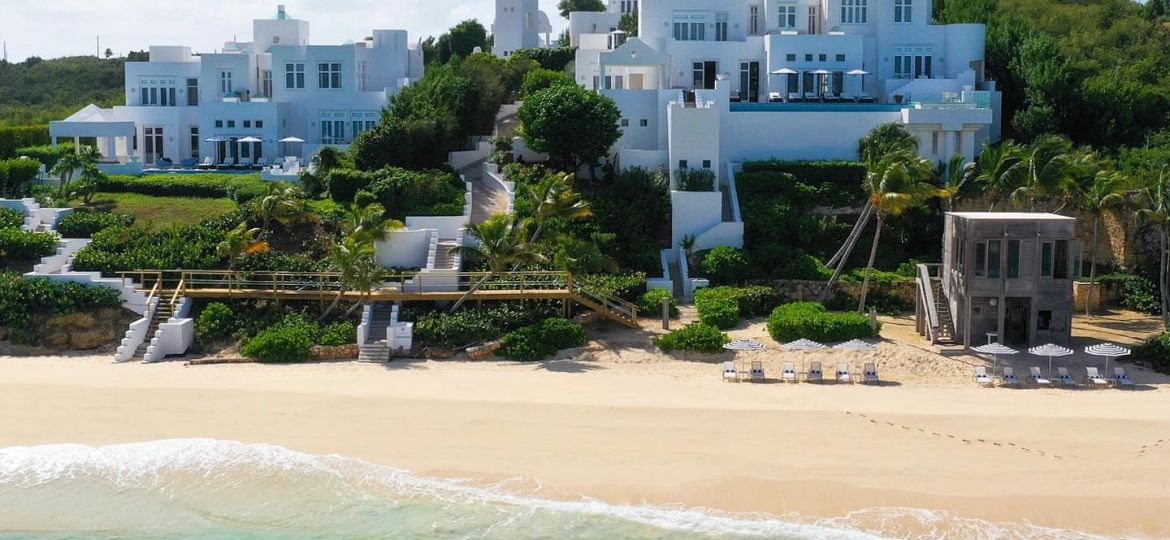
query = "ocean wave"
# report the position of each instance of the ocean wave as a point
(209, 487)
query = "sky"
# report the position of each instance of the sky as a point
(55, 28)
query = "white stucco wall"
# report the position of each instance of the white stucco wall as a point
(694, 213)
(404, 249)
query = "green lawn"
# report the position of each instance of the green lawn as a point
(155, 213)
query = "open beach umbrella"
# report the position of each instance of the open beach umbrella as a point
(803, 345)
(1108, 350)
(856, 345)
(743, 345)
(858, 73)
(788, 73)
(248, 140)
(288, 140)
(995, 349)
(1050, 350)
(216, 140)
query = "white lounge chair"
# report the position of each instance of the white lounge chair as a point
(227, 163)
(774, 97)
(869, 373)
(1120, 378)
(864, 98)
(1064, 378)
(207, 163)
(982, 377)
(729, 372)
(757, 372)
(1009, 376)
(794, 97)
(262, 162)
(1039, 378)
(811, 96)
(789, 374)
(843, 374)
(245, 163)
(1093, 375)
(815, 373)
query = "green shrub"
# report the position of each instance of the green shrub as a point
(876, 276)
(880, 299)
(11, 219)
(418, 193)
(216, 322)
(344, 184)
(16, 172)
(695, 179)
(238, 187)
(291, 340)
(781, 262)
(1135, 292)
(45, 153)
(725, 265)
(628, 287)
(809, 320)
(718, 310)
(541, 340)
(1154, 353)
(650, 303)
(470, 326)
(18, 245)
(540, 79)
(85, 224)
(15, 137)
(21, 299)
(118, 249)
(338, 333)
(697, 337)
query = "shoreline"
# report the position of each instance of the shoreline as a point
(642, 431)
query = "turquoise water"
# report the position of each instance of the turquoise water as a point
(197, 488)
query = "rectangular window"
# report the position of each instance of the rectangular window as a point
(840, 58)
(706, 164)
(754, 19)
(790, 57)
(266, 83)
(1046, 260)
(219, 123)
(787, 18)
(192, 92)
(721, 26)
(247, 123)
(193, 133)
(993, 256)
(682, 163)
(902, 11)
(690, 26)
(823, 58)
(1060, 265)
(643, 122)
(225, 83)
(294, 76)
(231, 123)
(625, 122)
(913, 62)
(980, 259)
(812, 19)
(854, 11)
(329, 75)
(808, 57)
(1044, 320)
(1013, 259)
(259, 123)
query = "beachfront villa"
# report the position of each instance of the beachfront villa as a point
(235, 106)
(1005, 277)
(519, 24)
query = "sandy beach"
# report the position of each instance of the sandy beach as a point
(620, 422)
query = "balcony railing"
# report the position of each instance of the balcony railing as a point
(951, 100)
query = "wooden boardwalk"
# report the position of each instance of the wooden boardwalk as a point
(420, 287)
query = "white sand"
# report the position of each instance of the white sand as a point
(621, 422)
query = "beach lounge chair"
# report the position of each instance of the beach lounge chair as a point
(208, 163)
(849, 98)
(869, 373)
(1009, 376)
(245, 163)
(1039, 378)
(262, 162)
(1120, 378)
(832, 98)
(789, 374)
(774, 97)
(1093, 375)
(1064, 378)
(757, 371)
(189, 163)
(729, 372)
(843, 374)
(815, 373)
(227, 163)
(811, 96)
(794, 97)
(864, 98)
(982, 377)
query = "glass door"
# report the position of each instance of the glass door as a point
(154, 144)
(749, 81)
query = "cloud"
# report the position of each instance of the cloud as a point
(53, 28)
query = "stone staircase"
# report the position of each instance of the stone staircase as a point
(946, 320)
(162, 314)
(376, 349)
(676, 277)
(444, 260)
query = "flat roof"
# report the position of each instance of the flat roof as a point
(1011, 216)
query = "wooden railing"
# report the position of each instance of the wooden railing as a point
(926, 293)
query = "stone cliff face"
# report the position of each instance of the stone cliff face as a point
(84, 331)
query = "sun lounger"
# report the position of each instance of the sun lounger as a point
(1038, 378)
(245, 163)
(1009, 376)
(729, 372)
(789, 372)
(1120, 378)
(774, 97)
(208, 163)
(262, 162)
(757, 371)
(811, 96)
(864, 98)
(848, 98)
(227, 164)
(794, 97)
(832, 98)
(843, 374)
(1093, 375)
(189, 163)
(1064, 378)
(815, 373)
(869, 373)
(982, 377)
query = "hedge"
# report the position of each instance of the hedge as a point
(11, 219)
(845, 177)
(650, 303)
(45, 153)
(725, 265)
(291, 340)
(470, 326)
(697, 337)
(21, 299)
(85, 224)
(18, 245)
(809, 320)
(542, 340)
(628, 287)
(14, 137)
(238, 187)
(1154, 353)
(717, 305)
(418, 193)
(719, 311)
(129, 248)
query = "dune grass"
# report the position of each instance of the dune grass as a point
(157, 213)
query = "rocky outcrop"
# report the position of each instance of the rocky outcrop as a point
(82, 331)
(340, 352)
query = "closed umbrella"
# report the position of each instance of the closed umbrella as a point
(1050, 350)
(1109, 351)
(995, 349)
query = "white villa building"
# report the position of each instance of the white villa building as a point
(239, 103)
(519, 24)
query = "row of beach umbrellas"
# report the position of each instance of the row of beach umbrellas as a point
(800, 345)
(1052, 350)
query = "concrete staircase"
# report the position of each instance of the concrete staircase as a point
(676, 274)
(161, 315)
(444, 260)
(376, 349)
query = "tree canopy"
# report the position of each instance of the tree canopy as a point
(568, 6)
(574, 126)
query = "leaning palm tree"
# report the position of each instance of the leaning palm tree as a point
(880, 142)
(237, 243)
(282, 203)
(999, 170)
(1156, 212)
(69, 163)
(899, 182)
(355, 258)
(1048, 169)
(369, 223)
(555, 199)
(502, 243)
(957, 176)
(1104, 190)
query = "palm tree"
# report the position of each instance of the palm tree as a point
(369, 223)
(899, 182)
(240, 242)
(555, 199)
(502, 243)
(881, 141)
(356, 259)
(957, 177)
(68, 164)
(999, 170)
(1100, 192)
(86, 185)
(1156, 211)
(1048, 169)
(282, 203)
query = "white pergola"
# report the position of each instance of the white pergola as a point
(95, 122)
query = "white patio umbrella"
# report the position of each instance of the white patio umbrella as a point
(995, 349)
(858, 73)
(216, 140)
(788, 73)
(286, 141)
(803, 345)
(247, 140)
(1050, 350)
(856, 345)
(1109, 351)
(743, 345)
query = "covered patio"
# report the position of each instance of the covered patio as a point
(114, 138)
